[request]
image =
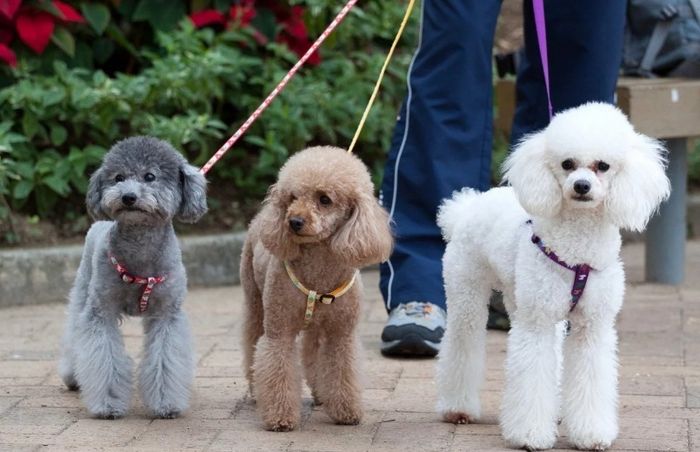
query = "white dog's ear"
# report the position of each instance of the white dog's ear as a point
(93, 197)
(526, 169)
(640, 184)
(194, 194)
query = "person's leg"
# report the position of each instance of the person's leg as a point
(442, 142)
(584, 44)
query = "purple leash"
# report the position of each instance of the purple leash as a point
(538, 9)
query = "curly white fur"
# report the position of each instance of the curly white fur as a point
(490, 247)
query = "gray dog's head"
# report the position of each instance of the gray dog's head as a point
(144, 180)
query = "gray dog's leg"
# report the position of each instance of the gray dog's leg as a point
(102, 368)
(167, 369)
(76, 304)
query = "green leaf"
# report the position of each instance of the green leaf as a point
(64, 40)
(103, 48)
(58, 134)
(58, 185)
(23, 189)
(163, 15)
(30, 125)
(264, 21)
(116, 34)
(222, 5)
(97, 15)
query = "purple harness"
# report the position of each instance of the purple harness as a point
(581, 271)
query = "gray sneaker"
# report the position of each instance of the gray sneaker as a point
(414, 329)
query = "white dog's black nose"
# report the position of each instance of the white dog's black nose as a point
(582, 186)
(296, 223)
(129, 199)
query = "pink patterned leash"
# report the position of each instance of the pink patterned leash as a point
(540, 27)
(282, 84)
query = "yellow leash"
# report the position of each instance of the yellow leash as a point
(377, 85)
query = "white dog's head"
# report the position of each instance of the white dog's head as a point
(590, 157)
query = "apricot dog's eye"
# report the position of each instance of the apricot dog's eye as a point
(602, 166)
(325, 200)
(568, 164)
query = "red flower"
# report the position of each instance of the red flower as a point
(35, 29)
(295, 35)
(243, 13)
(207, 17)
(7, 55)
(68, 13)
(8, 8)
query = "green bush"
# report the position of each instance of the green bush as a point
(199, 86)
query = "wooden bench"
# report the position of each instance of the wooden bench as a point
(667, 109)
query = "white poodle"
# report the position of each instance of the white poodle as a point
(574, 185)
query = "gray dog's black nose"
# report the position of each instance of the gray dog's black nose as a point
(582, 186)
(296, 223)
(129, 199)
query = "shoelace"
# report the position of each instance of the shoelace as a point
(417, 309)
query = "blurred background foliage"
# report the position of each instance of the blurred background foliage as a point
(188, 72)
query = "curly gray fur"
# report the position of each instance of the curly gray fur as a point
(142, 185)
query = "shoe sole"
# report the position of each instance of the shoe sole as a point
(410, 345)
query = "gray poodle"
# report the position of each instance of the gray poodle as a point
(132, 265)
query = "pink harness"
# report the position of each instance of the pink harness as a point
(128, 278)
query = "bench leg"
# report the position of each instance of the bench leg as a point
(666, 234)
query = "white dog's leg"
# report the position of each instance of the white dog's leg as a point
(590, 385)
(461, 362)
(103, 370)
(530, 399)
(167, 368)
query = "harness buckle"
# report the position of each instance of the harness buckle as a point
(326, 298)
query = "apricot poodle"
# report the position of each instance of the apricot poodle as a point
(319, 224)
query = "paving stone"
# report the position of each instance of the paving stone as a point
(659, 331)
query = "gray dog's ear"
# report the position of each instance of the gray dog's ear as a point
(194, 194)
(93, 197)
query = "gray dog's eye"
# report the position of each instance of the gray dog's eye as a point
(149, 177)
(119, 178)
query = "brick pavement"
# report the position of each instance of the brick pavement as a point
(659, 404)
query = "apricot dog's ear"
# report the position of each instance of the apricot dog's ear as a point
(273, 227)
(366, 237)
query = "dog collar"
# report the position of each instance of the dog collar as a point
(581, 271)
(312, 296)
(128, 278)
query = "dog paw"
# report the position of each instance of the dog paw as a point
(282, 425)
(174, 414)
(110, 415)
(532, 442)
(592, 444)
(349, 419)
(455, 417)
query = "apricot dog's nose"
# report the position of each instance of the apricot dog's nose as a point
(296, 223)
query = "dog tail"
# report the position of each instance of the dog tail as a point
(451, 211)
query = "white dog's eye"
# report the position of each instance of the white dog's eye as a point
(568, 164)
(119, 178)
(602, 166)
(149, 177)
